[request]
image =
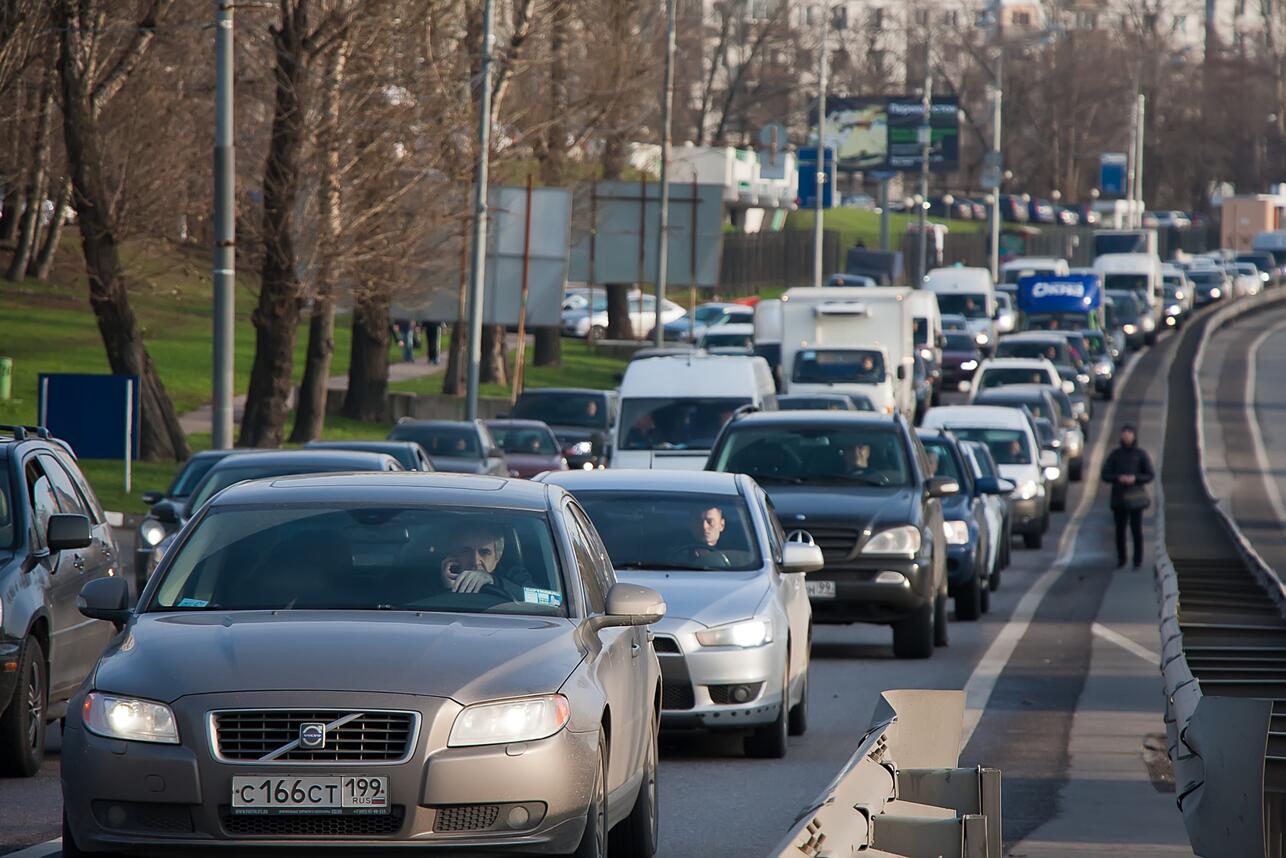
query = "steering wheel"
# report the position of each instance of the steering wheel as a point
(715, 559)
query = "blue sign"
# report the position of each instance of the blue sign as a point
(1071, 293)
(1111, 174)
(98, 415)
(807, 160)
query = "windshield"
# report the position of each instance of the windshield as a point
(1038, 405)
(530, 440)
(324, 557)
(715, 339)
(674, 531)
(217, 480)
(1206, 278)
(8, 527)
(460, 442)
(812, 403)
(838, 366)
(1125, 305)
(674, 424)
(971, 306)
(1002, 375)
(1126, 282)
(862, 455)
(1007, 446)
(586, 410)
(1056, 321)
(960, 342)
(1056, 352)
(941, 462)
(192, 474)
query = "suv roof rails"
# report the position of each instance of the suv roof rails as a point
(20, 432)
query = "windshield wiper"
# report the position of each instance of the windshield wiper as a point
(658, 567)
(777, 478)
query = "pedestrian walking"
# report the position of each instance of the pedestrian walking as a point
(1129, 469)
(405, 329)
(433, 337)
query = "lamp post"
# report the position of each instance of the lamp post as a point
(477, 271)
(225, 228)
(818, 210)
(663, 237)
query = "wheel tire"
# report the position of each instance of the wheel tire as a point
(1077, 471)
(941, 630)
(1111, 391)
(1059, 504)
(22, 727)
(969, 601)
(769, 741)
(636, 835)
(913, 637)
(1033, 540)
(798, 723)
(593, 843)
(985, 599)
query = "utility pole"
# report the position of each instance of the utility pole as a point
(818, 243)
(926, 151)
(663, 238)
(1141, 110)
(1130, 163)
(225, 227)
(884, 213)
(997, 115)
(477, 272)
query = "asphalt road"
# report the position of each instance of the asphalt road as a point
(1024, 666)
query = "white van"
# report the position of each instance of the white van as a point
(927, 321)
(967, 292)
(1023, 266)
(673, 408)
(1008, 433)
(1141, 274)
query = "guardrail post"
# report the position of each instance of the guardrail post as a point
(913, 837)
(1226, 815)
(965, 791)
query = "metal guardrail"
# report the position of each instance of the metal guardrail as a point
(901, 793)
(1223, 633)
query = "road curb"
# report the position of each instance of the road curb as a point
(40, 850)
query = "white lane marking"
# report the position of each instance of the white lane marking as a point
(1125, 643)
(40, 850)
(1250, 406)
(982, 682)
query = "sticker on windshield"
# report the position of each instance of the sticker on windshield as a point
(542, 597)
(192, 603)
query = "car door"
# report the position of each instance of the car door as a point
(791, 589)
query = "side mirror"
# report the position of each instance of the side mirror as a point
(630, 605)
(1069, 387)
(67, 530)
(1048, 459)
(106, 599)
(801, 557)
(151, 498)
(166, 512)
(940, 487)
(994, 485)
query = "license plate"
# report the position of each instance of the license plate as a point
(820, 589)
(297, 794)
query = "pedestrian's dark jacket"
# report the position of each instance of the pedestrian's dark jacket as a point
(1129, 460)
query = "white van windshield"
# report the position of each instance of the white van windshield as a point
(969, 305)
(649, 423)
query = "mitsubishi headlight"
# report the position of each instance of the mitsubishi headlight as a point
(969, 365)
(129, 718)
(745, 635)
(982, 339)
(580, 448)
(957, 532)
(900, 541)
(1131, 329)
(151, 532)
(523, 720)
(1026, 490)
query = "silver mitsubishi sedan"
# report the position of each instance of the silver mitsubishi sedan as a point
(734, 644)
(365, 660)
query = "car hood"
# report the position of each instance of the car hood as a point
(860, 507)
(709, 598)
(457, 465)
(465, 657)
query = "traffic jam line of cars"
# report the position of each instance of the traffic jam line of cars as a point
(556, 587)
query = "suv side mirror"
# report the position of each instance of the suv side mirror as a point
(106, 599)
(630, 605)
(994, 485)
(67, 530)
(801, 557)
(166, 512)
(1048, 459)
(151, 498)
(1069, 387)
(940, 487)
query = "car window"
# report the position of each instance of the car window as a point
(1007, 446)
(861, 455)
(451, 441)
(1056, 352)
(958, 342)
(365, 558)
(776, 534)
(679, 530)
(524, 439)
(40, 495)
(603, 571)
(963, 304)
(8, 510)
(838, 366)
(563, 409)
(595, 594)
(941, 462)
(999, 376)
(84, 491)
(69, 499)
(193, 472)
(684, 423)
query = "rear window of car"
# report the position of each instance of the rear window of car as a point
(679, 531)
(1001, 376)
(219, 479)
(1007, 446)
(527, 440)
(959, 342)
(860, 455)
(364, 558)
(585, 410)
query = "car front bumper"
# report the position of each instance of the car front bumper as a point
(700, 686)
(961, 565)
(874, 590)
(1027, 515)
(126, 796)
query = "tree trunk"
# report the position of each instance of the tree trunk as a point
(161, 436)
(13, 204)
(453, 381)
(549, 347)
(276, 319)
(495, 354)
(310, 411)
(619, 325)
(15, 174)
(53, 235)
(368, 361)
(553, 165)
(37, 181)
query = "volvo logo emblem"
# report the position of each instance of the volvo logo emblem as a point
(312, 735)
(800, 536)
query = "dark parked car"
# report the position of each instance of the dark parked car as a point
(530, 447)
(54, 538)
(1088, 217)
(1067, 215)
(409, 454)
(960, 358)
(969, 546)
(858, 487)
(581, 419)
(459, 446)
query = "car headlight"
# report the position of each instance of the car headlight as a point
(904, 541)
(1178, 295)
(1130, 329)
(982, 339)
(523, 720)
(746, 634)
(1263, 275)
(129, 718)
(1103, 368)
(580, 448)
(1082, 378)
(956, 532)
(1216, 292)
(969, 365)
(1026, 490)
(151, 532)
(1052, 473)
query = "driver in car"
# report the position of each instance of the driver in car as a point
(471, 561)
(707, 526)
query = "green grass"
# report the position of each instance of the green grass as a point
(854, 224)
(580, 368)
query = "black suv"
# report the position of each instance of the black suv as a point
(581, 418)
(859, 486)
(54, 538)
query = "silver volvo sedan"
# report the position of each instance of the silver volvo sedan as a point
(734, 644)
(372, 659)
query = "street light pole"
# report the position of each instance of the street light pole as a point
(818, 243)
(997, 115)
(225, 228)
(663, 237)
(477, 271)
(1141, 108)
(926, 151)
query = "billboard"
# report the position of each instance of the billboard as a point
(808, 179)
(1111, 174)
(1069, 293)
(882, 133)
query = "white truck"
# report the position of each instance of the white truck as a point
(851, 340)
(1141, 274)
(967, 292)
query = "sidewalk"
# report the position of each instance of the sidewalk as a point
(202, 419)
